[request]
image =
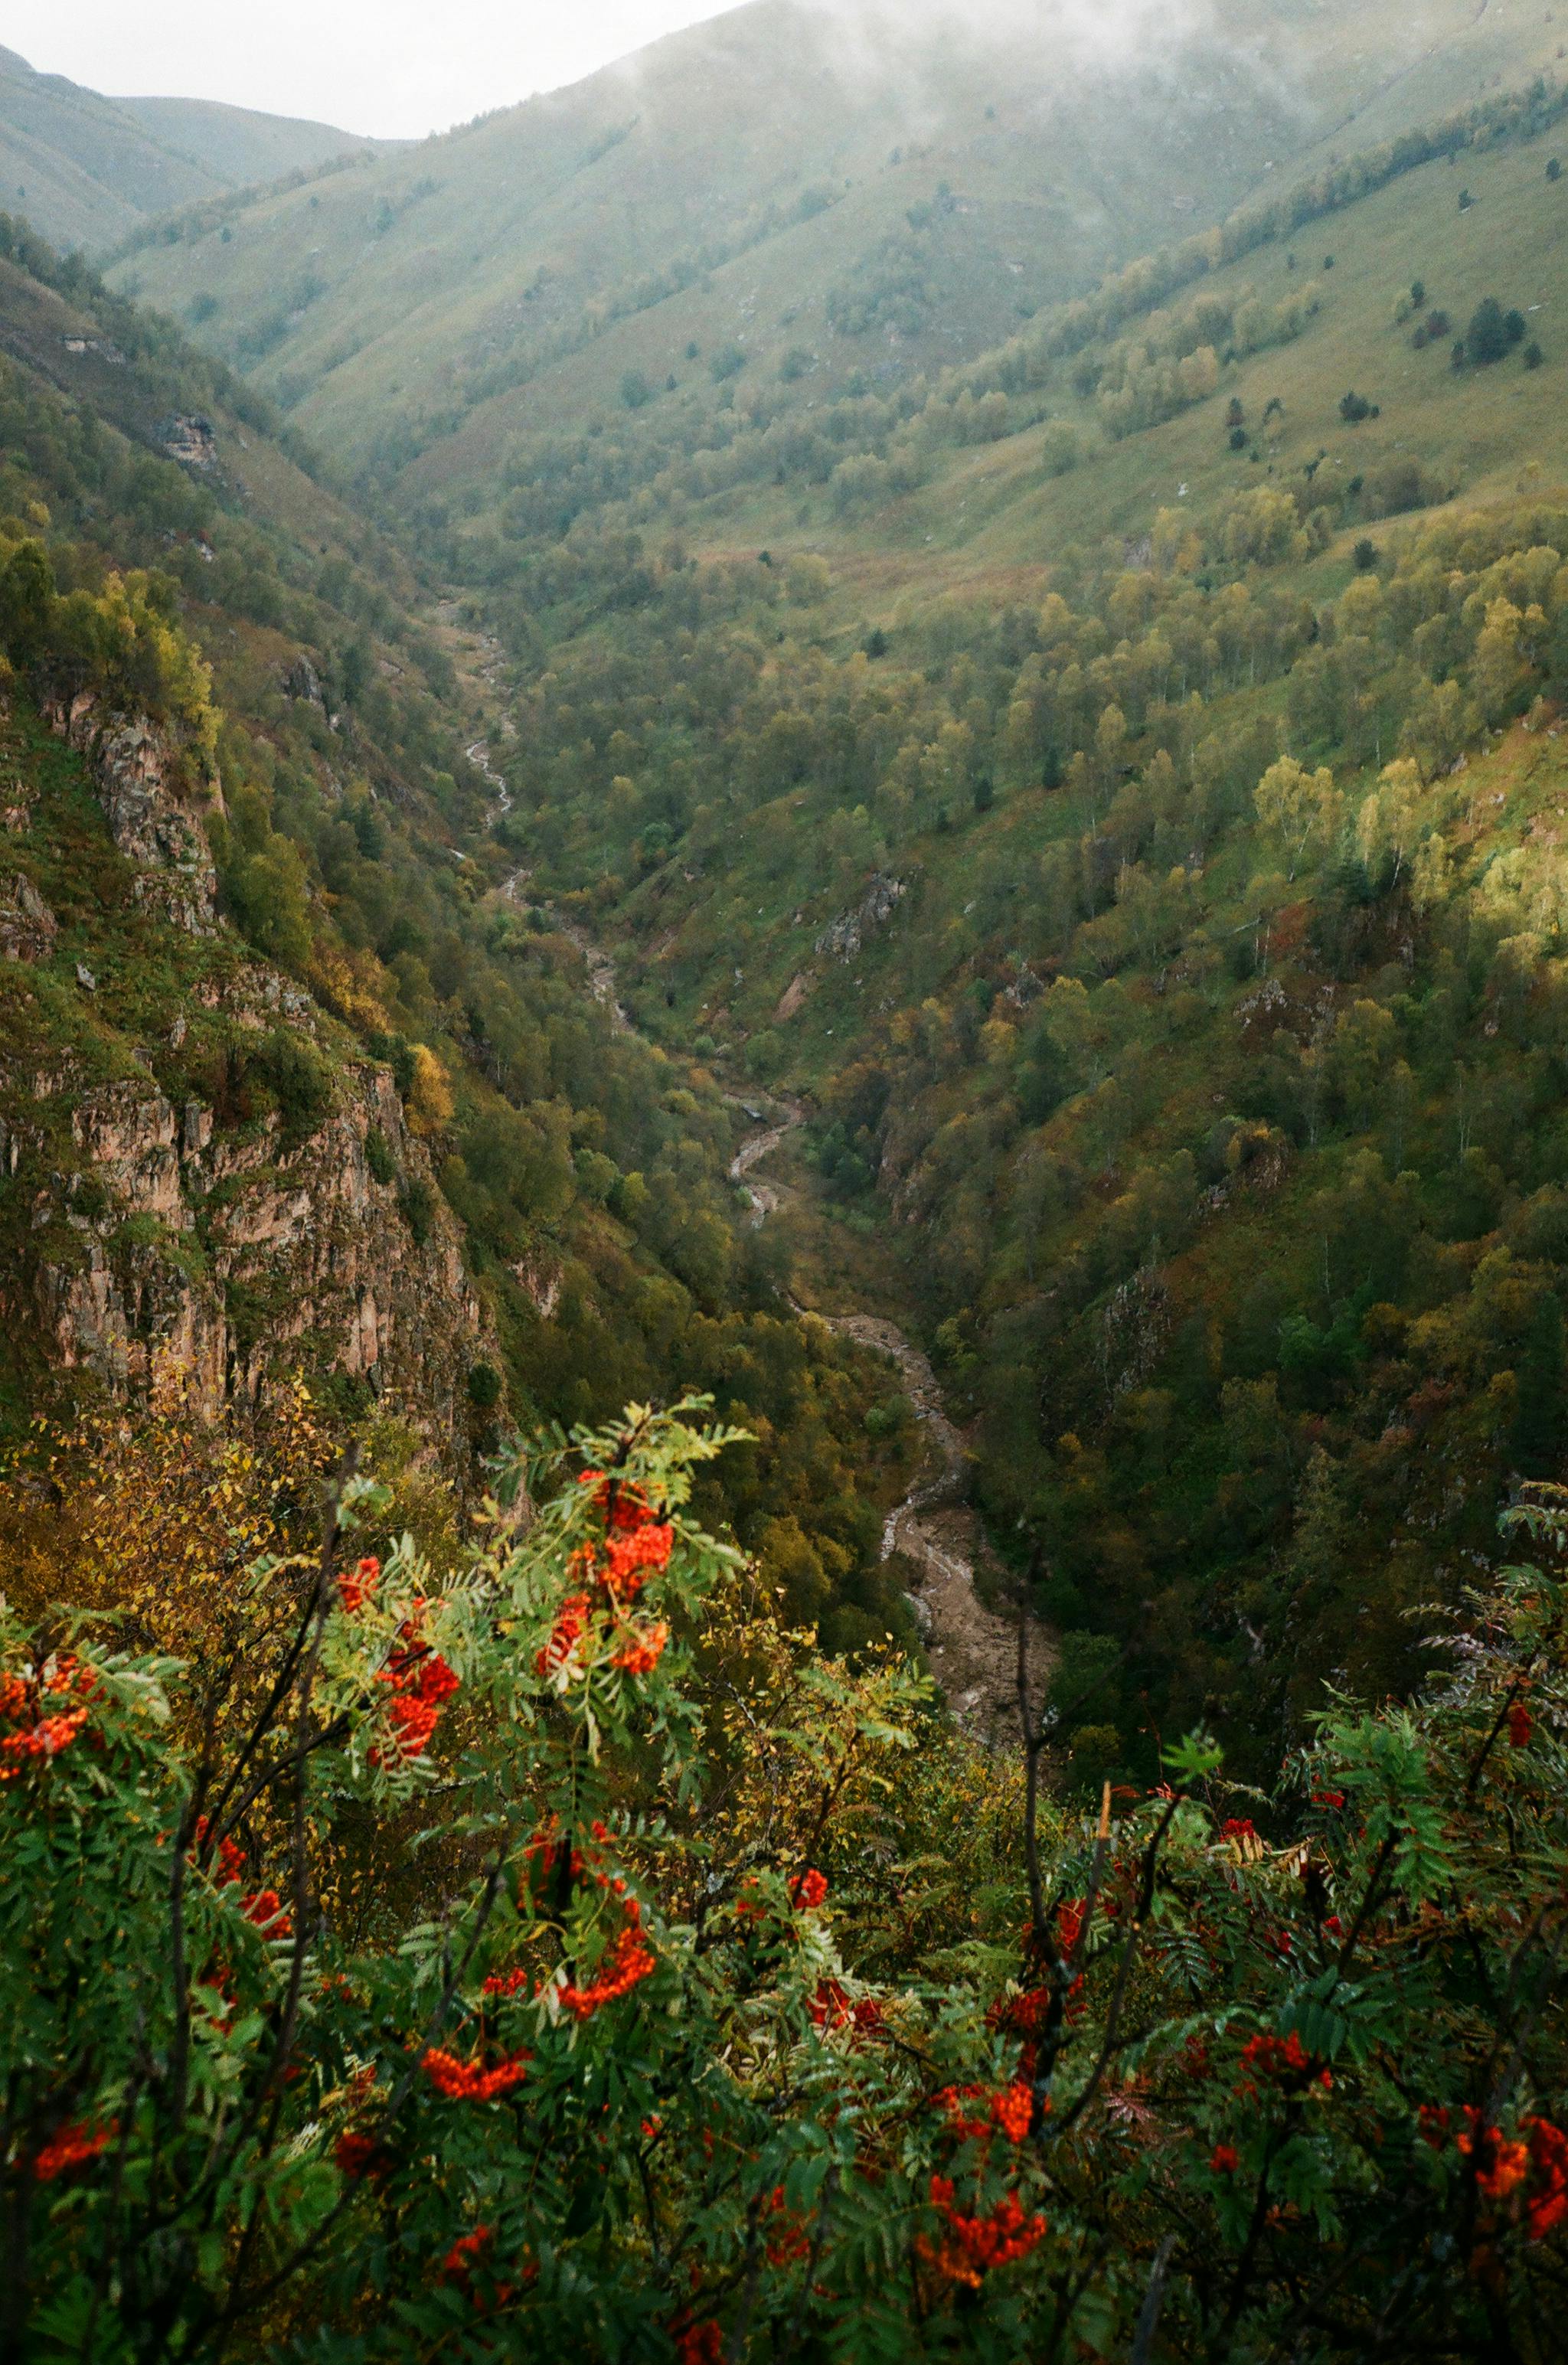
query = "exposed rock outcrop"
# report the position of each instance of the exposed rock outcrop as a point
(157, 812)
(189, 439)
(846, 935)
(213, 1223)
(179, 1254)
(27, 926)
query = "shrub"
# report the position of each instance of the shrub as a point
(300, 1078)
(1488, 336)
(447, 1958)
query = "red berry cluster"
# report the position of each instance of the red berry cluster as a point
(785, 2238)
(359, 2154)
(71, 2149)
(34, 1702)
(1282, 2058)
(832, 2007)
(262, 1906)
(969, 2247)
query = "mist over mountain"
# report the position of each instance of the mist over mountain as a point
(742, 181)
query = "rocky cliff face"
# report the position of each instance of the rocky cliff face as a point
(174, 1216)
(156, 815)
(176, 1254)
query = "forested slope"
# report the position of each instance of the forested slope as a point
(308, 730)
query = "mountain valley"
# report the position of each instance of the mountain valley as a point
(784, 1200)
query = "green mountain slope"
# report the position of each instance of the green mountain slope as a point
(87, 170)
(764, 210)
(238, 145)
(371, 1123)
(1210, 1106)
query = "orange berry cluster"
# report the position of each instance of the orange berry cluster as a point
(629, 1960)
(421, 1684)
(455, 2267)
(609, 1575)
(642, 1655)
(1533, 2165)
(1012, 2110)
(467, 2081)
(28, 1700)
(570, 1625)
(357, 1584)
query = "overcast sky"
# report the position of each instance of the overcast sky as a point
(399, 68)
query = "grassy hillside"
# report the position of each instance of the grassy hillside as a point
(238, 145)
(353, 853)
(766, 210)
(87, 171)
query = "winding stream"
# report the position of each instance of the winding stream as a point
(973, 1651)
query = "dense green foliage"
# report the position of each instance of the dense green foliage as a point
(1104, 757)
(704, 2018)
